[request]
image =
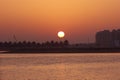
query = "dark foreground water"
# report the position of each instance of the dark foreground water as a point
(60, 66)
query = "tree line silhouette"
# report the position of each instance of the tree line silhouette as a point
(28, 44)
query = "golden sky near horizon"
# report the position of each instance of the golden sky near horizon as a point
(40, 20)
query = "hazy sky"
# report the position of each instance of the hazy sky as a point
(40, 20)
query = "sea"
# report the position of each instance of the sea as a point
(60, 66)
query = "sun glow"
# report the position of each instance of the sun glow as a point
(61, 34)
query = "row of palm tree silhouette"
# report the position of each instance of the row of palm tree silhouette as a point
(35, 44)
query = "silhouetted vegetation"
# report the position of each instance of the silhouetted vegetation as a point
(30, 45)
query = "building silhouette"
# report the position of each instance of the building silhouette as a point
(108, 38)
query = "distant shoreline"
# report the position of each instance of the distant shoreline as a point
(63, 50)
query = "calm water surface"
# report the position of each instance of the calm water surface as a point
(60, 66)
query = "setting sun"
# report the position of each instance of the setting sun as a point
(61, 34)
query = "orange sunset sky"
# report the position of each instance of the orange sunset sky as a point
(40, 20)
